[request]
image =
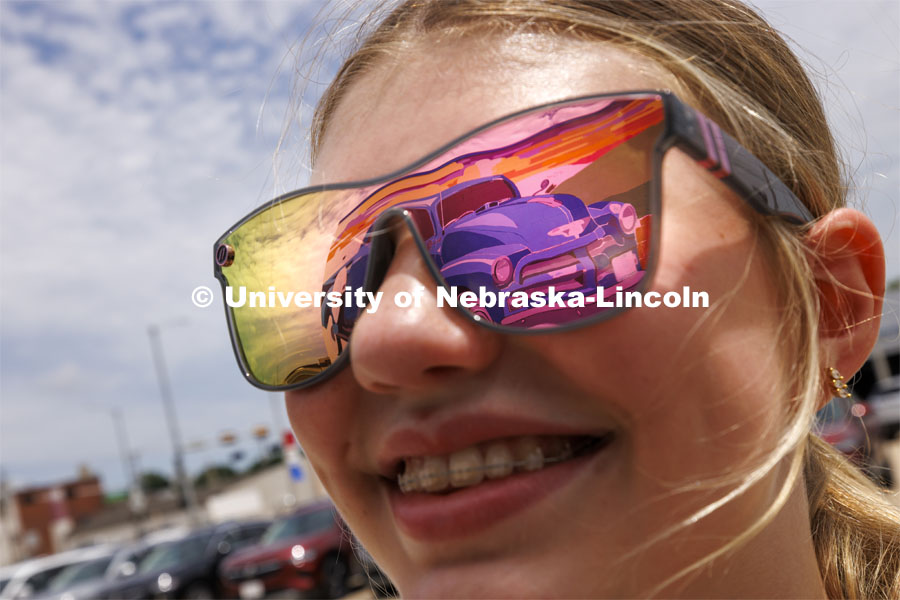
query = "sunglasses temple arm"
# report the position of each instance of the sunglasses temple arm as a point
(720, 154)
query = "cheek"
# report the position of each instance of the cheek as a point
(698, 388)
(329, 421)
(320, 418)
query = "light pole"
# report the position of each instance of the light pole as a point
(128, 460)
(187, 490)
(136, 501)
(122, 439)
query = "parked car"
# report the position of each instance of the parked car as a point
(841, 423)
(186, 568)
(33, 577)
(74, 575)
(306, 551)
(882, 416)
(6, 573)
(88, 581)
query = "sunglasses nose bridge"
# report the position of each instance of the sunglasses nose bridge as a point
(384, 236)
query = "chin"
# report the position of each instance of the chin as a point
(488, 579)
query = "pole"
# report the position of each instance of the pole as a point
(187, 490)
(130, 472)
(122, 438)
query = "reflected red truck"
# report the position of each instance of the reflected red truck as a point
(306, 551)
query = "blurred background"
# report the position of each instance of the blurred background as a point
(131, 136)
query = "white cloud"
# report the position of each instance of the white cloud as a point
(123, 158)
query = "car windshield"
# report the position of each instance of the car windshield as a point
(472, 197)
(423, 222)
(39, 581)
(297, 526)
(168, 555)
(79, 572)
(125, 563)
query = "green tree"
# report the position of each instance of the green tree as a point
(273, 457)
(214, 474)
(152, 481)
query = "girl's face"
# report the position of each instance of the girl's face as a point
(685, 395)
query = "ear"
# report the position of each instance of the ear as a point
(848, 266)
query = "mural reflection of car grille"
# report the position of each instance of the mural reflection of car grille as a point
(567, 285)
(564, 265)
(597, 251)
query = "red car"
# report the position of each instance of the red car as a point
(306, 551)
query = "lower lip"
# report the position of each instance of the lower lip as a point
(436, 517)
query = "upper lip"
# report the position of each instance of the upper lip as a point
(461, 431)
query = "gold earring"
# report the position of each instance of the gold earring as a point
(838, 383)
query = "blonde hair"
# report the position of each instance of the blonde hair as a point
(728, 61)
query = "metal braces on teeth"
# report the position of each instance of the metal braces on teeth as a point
(410, 483)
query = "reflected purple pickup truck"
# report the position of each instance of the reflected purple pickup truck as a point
(483, 234)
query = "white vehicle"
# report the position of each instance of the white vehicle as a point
(6, 573)
(32, 577)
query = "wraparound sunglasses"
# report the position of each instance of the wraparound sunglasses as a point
(563, 196)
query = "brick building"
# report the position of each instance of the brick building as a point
(49, 513)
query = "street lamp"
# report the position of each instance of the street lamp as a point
(165, 389)
(124, 450)
(136, 500)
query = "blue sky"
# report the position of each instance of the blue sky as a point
(133, 134)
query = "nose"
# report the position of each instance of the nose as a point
(416, 348)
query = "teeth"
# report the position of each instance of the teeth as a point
(434, 476)
(472, 465)
(528, 453)
(407, 482)
(466, 467)
(498, 461)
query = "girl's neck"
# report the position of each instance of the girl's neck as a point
(779, 562)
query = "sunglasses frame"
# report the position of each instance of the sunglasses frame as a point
(684, 128)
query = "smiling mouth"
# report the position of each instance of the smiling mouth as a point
(497, 459)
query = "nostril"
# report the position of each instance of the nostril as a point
(443, 372)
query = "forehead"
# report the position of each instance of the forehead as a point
(430, 94)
